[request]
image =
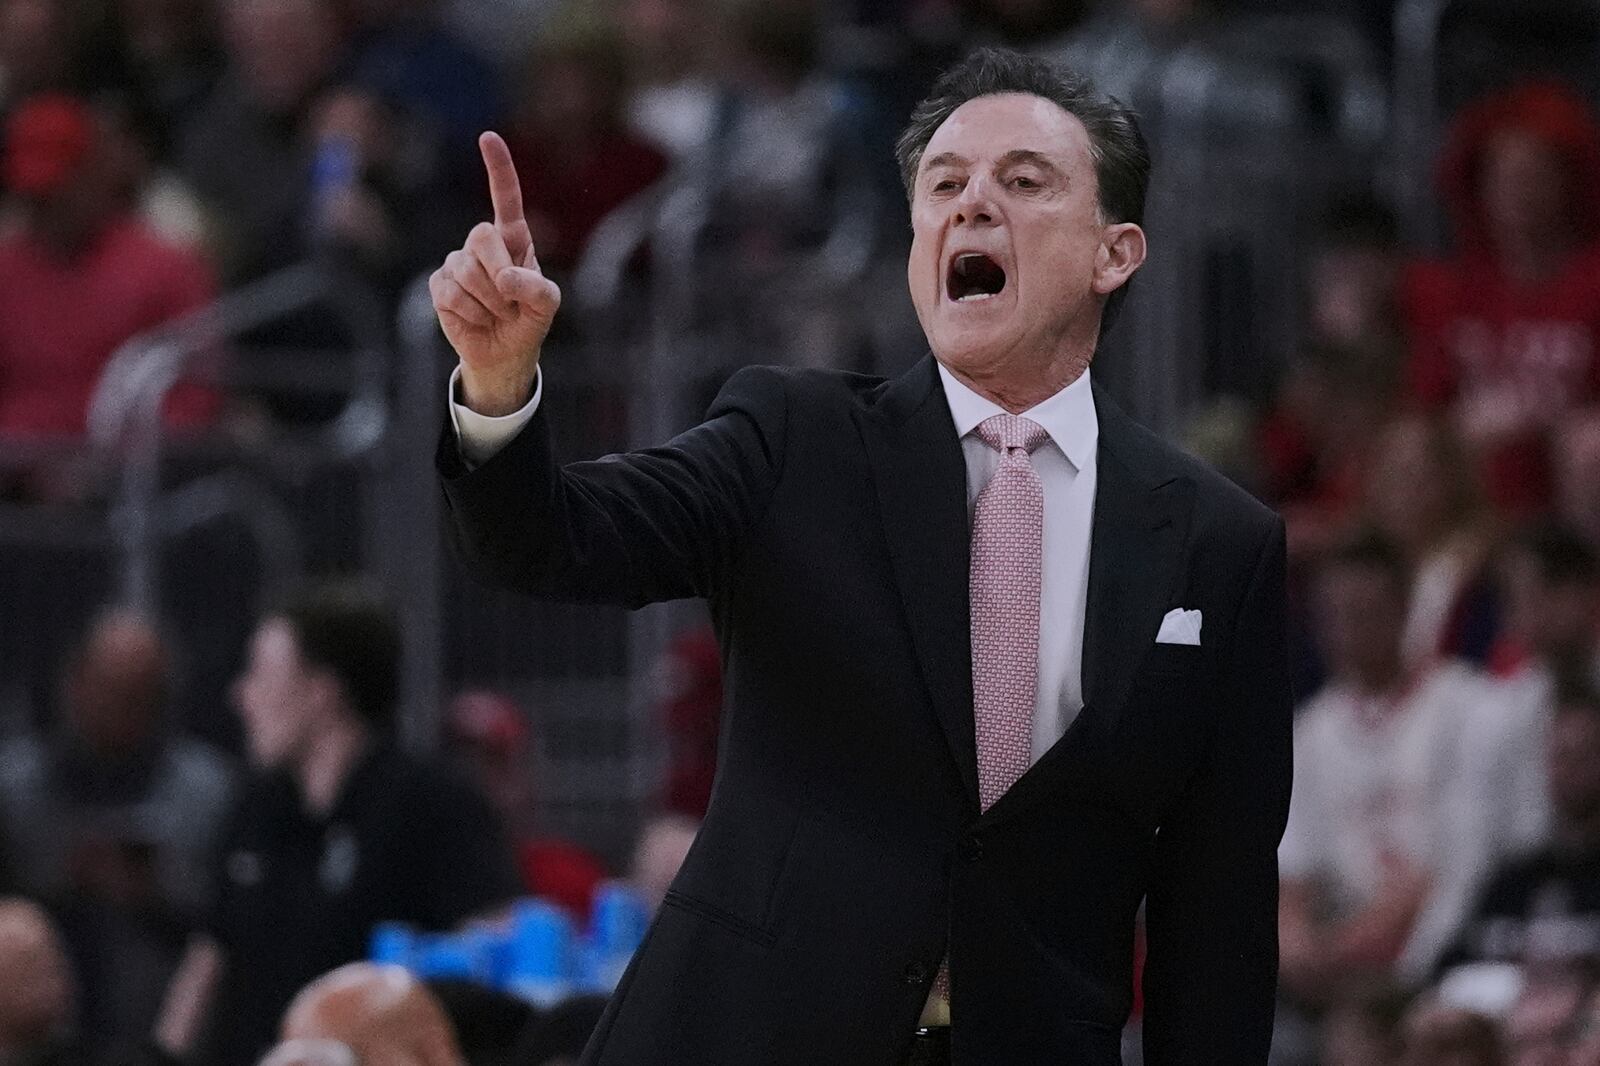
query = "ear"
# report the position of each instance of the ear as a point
(1122, 251)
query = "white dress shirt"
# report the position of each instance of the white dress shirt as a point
(1066, 467)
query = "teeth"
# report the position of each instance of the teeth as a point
(974, 296)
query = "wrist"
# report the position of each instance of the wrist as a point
(499, 393)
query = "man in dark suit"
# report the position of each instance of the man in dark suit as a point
(1001, 664)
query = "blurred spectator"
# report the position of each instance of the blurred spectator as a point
(291, 163)
(559, 1036)
(1547, 904)
(1376, 766)
(174, 56)
(1316, 442)
(248, 149)
(663, 844)
(82, 276)
(1436, 1035)
(1421, 495)
(1586, 1046)
(690, 684)
(1363, 1028)
(404, 53)
(1353, 278)
(1577, 471)
(488, 738)
(381, 1013)
(339, 832)
(113, 820)
(1506, 335)
(673, 102)
(53, 46)
(37, 1025)
(146, 180)
(1542, 1025)
(794, 210)
(576, 157)
(1551, 591)
(1551, 576)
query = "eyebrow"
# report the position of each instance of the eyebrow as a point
(1028, 155)
(1011, 158)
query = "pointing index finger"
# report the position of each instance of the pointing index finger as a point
(504, 188)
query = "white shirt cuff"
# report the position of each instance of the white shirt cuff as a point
(481, 436)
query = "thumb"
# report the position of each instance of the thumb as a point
(526, 286)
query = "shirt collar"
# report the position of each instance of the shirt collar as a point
(1068, 416)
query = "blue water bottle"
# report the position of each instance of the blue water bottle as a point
(540, 969)
(617, 926)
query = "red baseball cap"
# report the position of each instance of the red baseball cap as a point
(47, 140)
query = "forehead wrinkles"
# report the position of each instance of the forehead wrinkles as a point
(1008, 121)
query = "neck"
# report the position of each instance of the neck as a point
(1016, 392)
(330, 756)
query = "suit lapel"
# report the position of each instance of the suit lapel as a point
(1140, 524)
(921, 484)
(1135, 559)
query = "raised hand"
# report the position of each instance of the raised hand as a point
(493, 303)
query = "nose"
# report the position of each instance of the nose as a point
(975, 205)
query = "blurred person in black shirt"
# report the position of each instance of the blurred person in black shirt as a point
(340, 831)
(111, 818)
(1549, 900)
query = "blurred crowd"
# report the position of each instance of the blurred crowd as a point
(1433, 442)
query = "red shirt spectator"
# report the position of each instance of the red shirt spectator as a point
(1505, 334)
(82, 276)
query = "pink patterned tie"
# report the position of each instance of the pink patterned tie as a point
(1007, 546)
(1007, 553)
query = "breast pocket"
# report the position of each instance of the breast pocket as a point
(1173, 660)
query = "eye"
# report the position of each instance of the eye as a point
(1024, 182)
(944, 185)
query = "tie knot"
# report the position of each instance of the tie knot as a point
(1006, 433)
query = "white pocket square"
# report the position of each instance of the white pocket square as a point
(1180, 627)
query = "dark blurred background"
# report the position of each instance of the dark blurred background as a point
(1372, 299)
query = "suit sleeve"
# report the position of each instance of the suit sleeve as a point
(628, 529)
(1212, 913)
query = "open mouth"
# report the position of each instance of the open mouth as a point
(974, 276)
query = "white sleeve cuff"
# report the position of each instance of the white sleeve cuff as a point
(480, 436)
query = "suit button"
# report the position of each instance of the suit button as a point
(916, 974)
(972, 849)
